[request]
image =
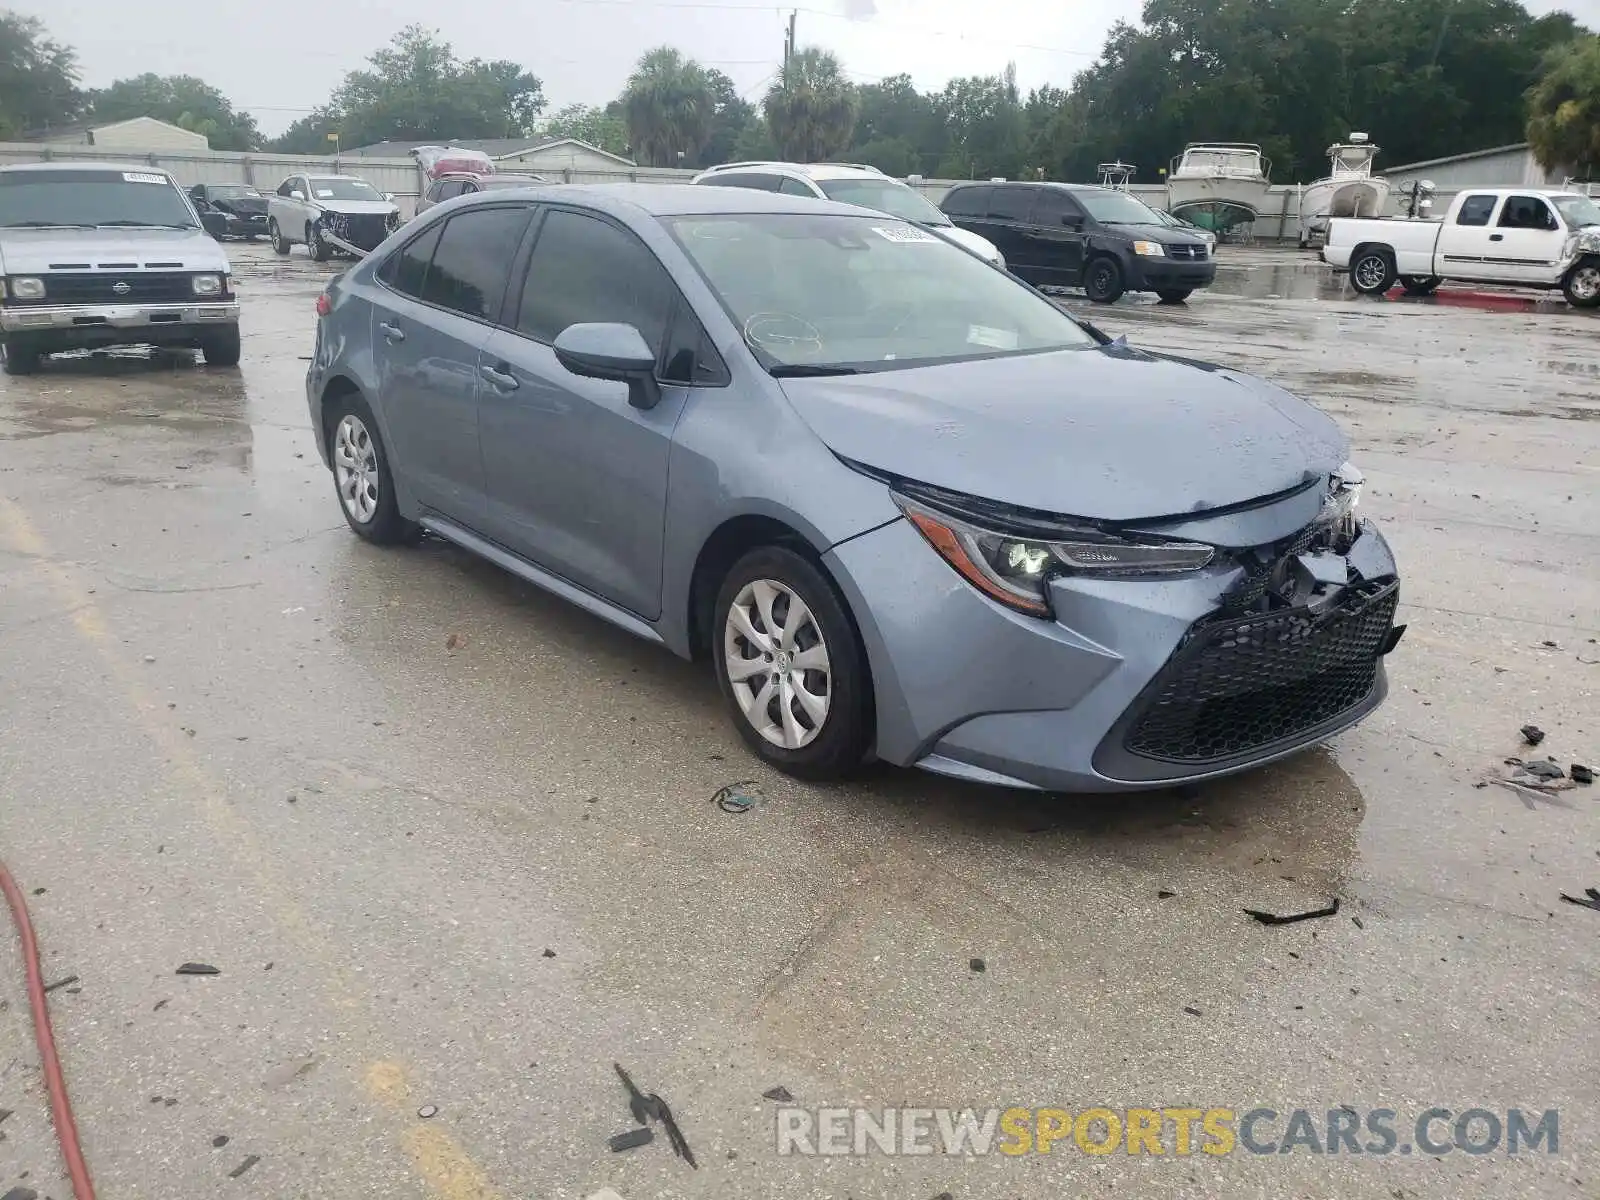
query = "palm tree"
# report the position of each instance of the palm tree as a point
(811, 109)
(668, 106)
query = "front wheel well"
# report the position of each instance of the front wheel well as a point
(728, 543)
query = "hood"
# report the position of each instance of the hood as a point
(244, 206)
(1167, 235)
(32, 251)
(968, 240)
(356, 208)
(1108, 433)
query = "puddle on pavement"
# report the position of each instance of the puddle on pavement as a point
(121, 387)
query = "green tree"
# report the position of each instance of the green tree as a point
(1564, 110)
(811, 108)
(986, 131)
(181, 100)
(416, 89)
(600, 127)
(38, 78)
(731, 115)
(668, 105)
(896, 123)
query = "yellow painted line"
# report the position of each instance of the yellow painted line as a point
(441, 1163)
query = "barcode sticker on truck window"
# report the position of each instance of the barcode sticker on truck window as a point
(142, 177)
(324, 193)
(995, 339)
(903, 233)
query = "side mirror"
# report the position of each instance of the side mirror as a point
(389, 196)
(610, 351)
(297, 194)
(1072, 220)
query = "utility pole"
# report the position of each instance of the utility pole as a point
(789, 46)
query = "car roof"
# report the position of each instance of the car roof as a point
(683, 200)
(818, 171)
(141, 168)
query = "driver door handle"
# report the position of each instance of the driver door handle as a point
(500, 375)
(392, 332)
(1497, 237)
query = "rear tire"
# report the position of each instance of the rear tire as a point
(800, 677)
(1372, 272)
(1175, 295)
(280, 245)
(1420, 285)
(362, 479)
(1102, 280)
(1581, 287)
(221, 347)
(20, 357)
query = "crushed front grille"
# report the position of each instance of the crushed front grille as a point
(366, 230)
(1243, 684)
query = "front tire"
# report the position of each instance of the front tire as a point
(221, 347)
(1581, 287)
(791, 667)
(1372, 272)
(1102, 281)
(361, 476)
(320, 250)
(1175, 295)
(280, 244)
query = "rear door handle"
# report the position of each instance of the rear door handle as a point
(393, 332)
(1497, 237)
(500, 375)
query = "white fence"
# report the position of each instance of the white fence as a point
(401, 177)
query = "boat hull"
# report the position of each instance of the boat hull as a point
(1219, 204)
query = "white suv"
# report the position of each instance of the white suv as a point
(849, 183)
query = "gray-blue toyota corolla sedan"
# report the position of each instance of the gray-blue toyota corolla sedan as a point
(909, 508)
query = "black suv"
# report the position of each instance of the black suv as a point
(1075, 235)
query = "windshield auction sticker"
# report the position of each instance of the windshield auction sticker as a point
(142, 177)
(902, 233)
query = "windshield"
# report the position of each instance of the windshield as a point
(885, 195)
(1116, 208)
(230, 191)
(833, 293)
(45, 198)
(1578, 211)
(332, 188)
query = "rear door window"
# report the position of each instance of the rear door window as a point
(1010, 203)
(748, 179)
(586, 269)
(967, 202)
(1476, 210)
(472, 262)
(407, 270)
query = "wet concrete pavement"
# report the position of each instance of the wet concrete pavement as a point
(449, 840)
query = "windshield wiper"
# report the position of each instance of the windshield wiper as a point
(809, 370)
(45, 225)
(141, 225)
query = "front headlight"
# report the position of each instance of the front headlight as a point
(27, 287)
(1150, 249)
(1016, 570)
(206, 285)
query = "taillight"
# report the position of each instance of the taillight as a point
(324, 305)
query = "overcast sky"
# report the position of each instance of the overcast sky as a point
(282, 58)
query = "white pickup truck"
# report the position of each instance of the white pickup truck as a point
(1517, 236)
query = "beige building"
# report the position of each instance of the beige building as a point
(139, 133)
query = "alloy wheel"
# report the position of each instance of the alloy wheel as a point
(355, 466)
(1370, 271)
(1586, 283)
(777, 663)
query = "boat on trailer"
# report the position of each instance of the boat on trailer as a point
(1219, 185)
(1350, 189)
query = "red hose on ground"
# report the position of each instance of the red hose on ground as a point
(60, 1105)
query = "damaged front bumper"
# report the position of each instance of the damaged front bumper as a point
(1134, 683)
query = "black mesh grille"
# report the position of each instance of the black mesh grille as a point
(112, 287)
(366, 230)
(1240, 685)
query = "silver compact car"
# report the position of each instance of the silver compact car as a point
(907, 507)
